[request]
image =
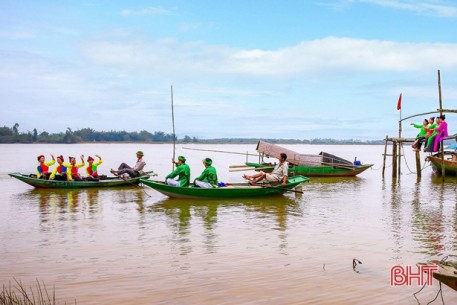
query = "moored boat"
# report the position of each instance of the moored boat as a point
(316, 171)
(235, 190)
(309, 165)
(106, 182)
(446, 272)
(449, 162)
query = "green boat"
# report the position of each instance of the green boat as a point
(315, 171)
(449, 162)
(102, 183)
(235, 190)
(309, 165)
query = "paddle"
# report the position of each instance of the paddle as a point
(277, 188)
(248, 168)
(127, 179)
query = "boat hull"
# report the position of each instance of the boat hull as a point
(449, 162)
(446, 272)
(238, 190)
(321, 171)
(108, 182)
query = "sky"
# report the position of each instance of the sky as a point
(238, 69)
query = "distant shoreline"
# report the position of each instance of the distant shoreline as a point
(381, 142)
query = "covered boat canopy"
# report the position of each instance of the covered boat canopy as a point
(295, 158)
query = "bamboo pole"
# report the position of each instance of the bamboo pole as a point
(399, 146)
(418, 164)
(174, 133)
(385, 155)
(220, 151)
(394, 159)
(249, 168)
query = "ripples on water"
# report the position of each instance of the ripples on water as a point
(135, 246)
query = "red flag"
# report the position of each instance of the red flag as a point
(399, 103)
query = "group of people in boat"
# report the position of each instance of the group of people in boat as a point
(179, 177)
(67, 171)
(431, 134)
(208, 178)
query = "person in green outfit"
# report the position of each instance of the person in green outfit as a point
(208, 177)
(430, 133)
(182, 171)
(421, 135)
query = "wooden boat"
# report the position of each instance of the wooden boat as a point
(320, 165)
(446, 273)
(235, 190)
(316, 171)
(449, 162)
(106, 182)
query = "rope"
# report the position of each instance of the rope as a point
(414, 294)
(406, 162)
(440, 292)
(404, 157)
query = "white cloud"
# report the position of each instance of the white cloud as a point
(331, 53)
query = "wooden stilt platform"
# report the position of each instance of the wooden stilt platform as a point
(397, 154)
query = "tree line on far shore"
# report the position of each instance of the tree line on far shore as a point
(12, 135)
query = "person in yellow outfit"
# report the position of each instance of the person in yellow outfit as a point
(60, 172)
(42, 170)
(91, 169)
(73, 173)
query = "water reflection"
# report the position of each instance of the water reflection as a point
(430, 216)
(53, 202)
(182, 214)
(427, 222)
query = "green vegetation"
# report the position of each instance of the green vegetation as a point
(12, 135)
(18, 295)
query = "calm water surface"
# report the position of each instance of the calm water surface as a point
(136, 246)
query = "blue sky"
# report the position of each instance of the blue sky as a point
(261, 69)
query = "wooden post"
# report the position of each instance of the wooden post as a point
(399, 145)
(394, 159)
(418, 164)
(385, 155)
(399, 158)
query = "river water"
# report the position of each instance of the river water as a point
(133, 245)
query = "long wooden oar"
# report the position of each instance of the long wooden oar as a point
(248, 168)
(221, 151)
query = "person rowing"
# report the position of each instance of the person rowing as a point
(279, 173)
